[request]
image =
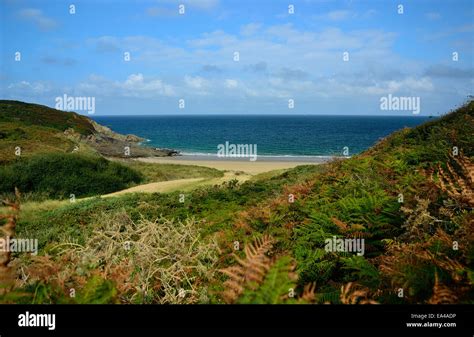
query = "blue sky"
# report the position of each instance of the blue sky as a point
(282, 56)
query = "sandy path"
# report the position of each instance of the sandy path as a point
(234, 169)
(162, 187)
(179, 184)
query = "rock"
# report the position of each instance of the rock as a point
(112, 144)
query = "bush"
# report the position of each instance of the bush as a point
(59, 175)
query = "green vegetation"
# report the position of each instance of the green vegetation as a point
(32, 140)
(34, 114)
(164, 172)
(60, 175)
(36, 129)
(30, 129)
(53, 222)
(410, 197)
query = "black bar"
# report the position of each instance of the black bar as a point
(122, 318)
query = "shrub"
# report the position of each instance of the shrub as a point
(59, 175)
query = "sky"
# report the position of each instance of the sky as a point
(326, 57)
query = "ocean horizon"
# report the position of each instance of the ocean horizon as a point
(277, 137)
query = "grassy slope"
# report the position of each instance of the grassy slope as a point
(37, 129)
(408, 245)
(361, 195)
(35, 114)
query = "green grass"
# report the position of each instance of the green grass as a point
(32, 140)
(164, 172)
(37, 130)
(40, 115)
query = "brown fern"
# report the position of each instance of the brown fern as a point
(352, 293)
(442, 294)
(309, 293)
(341, 225)
(422, 255)
(8, 229)
(250, 271)
(264, 210)
(458, 186)
(354, 230)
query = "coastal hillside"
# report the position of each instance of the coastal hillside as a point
(52, 154)
(28, 129)
(392, 225)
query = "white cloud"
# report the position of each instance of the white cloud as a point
(278, 46)
(37, 17)
(467, 28)
(408, 86)
(216, 38)
(35, 88)
(105, 44)
(338, 15)
(290, 62)
(291, 59)
(195, 82)
(231, 84)
(136, 85)
(250, 29)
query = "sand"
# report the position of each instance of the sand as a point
(162, 187)
(180, 184)
(239, 169)
(247, 166)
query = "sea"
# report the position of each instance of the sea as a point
(300, 137)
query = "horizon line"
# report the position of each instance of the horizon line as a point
(270, 114)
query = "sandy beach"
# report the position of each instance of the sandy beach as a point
(234, 164)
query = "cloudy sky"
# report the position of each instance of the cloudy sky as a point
(282, 56)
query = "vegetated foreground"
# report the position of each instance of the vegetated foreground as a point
(410, 198)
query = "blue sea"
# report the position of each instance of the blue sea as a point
(275, 135)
